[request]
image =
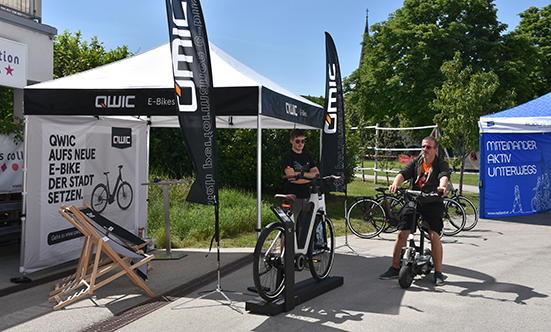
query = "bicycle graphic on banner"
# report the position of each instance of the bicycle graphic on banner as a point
(122, 191)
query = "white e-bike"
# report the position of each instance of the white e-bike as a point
(314, 246)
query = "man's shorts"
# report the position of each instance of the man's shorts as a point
(432, 216)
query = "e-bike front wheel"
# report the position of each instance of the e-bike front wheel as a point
(366, 218)
(268, 262)
(321, 251)
(124, 195)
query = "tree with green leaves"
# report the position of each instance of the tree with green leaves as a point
(536, 24)
(403, 55)
(464, 96)
(9, 123)
(72, 55)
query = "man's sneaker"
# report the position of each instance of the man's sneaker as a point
(390, 274)
(438, 279)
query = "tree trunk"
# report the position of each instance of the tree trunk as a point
(461, 171)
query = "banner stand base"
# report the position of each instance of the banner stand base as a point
(304, 291)
(169, 256)
(20, 280)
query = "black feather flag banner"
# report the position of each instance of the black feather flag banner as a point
(193, 87)
(333, 153)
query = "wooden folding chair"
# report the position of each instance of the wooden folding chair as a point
(86, 279)
(118, 233)
(110, 227)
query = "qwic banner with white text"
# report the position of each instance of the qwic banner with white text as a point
(77, 161)
(193, 89)
(514, 174)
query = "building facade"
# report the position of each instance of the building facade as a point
(26, 47)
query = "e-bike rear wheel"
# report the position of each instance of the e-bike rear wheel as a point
(321, 251)
(268, 262)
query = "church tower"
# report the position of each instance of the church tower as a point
(366, 32)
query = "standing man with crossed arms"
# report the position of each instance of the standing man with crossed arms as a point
(296, 161)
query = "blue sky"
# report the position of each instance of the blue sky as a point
(283, 40)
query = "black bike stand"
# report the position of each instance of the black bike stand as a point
(293, 295)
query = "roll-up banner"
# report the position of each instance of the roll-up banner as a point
(193, 87)
(11, 165)
(77, 161)
(333, 154)
(514, 174)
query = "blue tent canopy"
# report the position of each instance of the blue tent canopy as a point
(533, 116)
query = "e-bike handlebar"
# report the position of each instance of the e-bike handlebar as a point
(412, 193)
(315, 178)
(423, 194)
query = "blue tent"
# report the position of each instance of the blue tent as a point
(515, 160)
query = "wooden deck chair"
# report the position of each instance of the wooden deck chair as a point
(87, 276)
(84, 263)
(110, 227)
(84, 266)
(121, 236)
(117, 233)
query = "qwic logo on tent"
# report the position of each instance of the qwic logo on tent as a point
(115, 101)
(121, 138)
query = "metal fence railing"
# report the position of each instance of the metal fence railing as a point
(378, 148)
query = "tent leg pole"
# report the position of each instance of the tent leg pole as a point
(259, 176)
(22, 275)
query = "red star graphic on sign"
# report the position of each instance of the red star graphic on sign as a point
(9, 70)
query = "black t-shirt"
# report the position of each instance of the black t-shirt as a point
(302, 162)
(439, 169)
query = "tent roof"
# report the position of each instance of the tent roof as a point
(531, 117)
(152, 71)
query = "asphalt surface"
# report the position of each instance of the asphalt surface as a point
(497, 279)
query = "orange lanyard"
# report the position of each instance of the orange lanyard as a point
(424, 174)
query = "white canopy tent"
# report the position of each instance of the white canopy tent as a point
(241, 93)
(141, 87)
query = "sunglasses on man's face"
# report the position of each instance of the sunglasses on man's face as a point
(300, 141)
(426, 147)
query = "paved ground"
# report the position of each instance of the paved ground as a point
(496, 279)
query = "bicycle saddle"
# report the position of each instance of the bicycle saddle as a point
(286, 197)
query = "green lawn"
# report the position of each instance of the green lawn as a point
(192, 225)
